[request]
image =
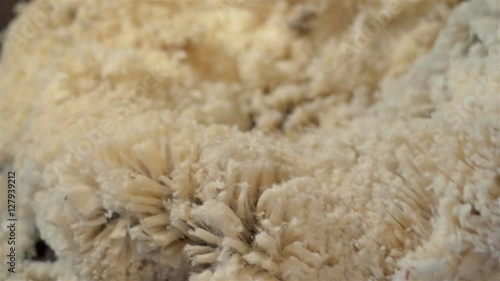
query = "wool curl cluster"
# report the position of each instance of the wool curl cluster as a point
(253, 140)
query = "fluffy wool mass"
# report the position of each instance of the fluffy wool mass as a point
(253, 140)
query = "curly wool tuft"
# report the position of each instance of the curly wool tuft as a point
(248, 140)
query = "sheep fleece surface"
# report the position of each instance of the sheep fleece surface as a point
(253, 140)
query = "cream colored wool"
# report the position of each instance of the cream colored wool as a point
(254, 140)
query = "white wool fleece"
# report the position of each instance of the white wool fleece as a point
(253, 140)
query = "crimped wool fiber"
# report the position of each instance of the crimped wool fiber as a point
(252, 140)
